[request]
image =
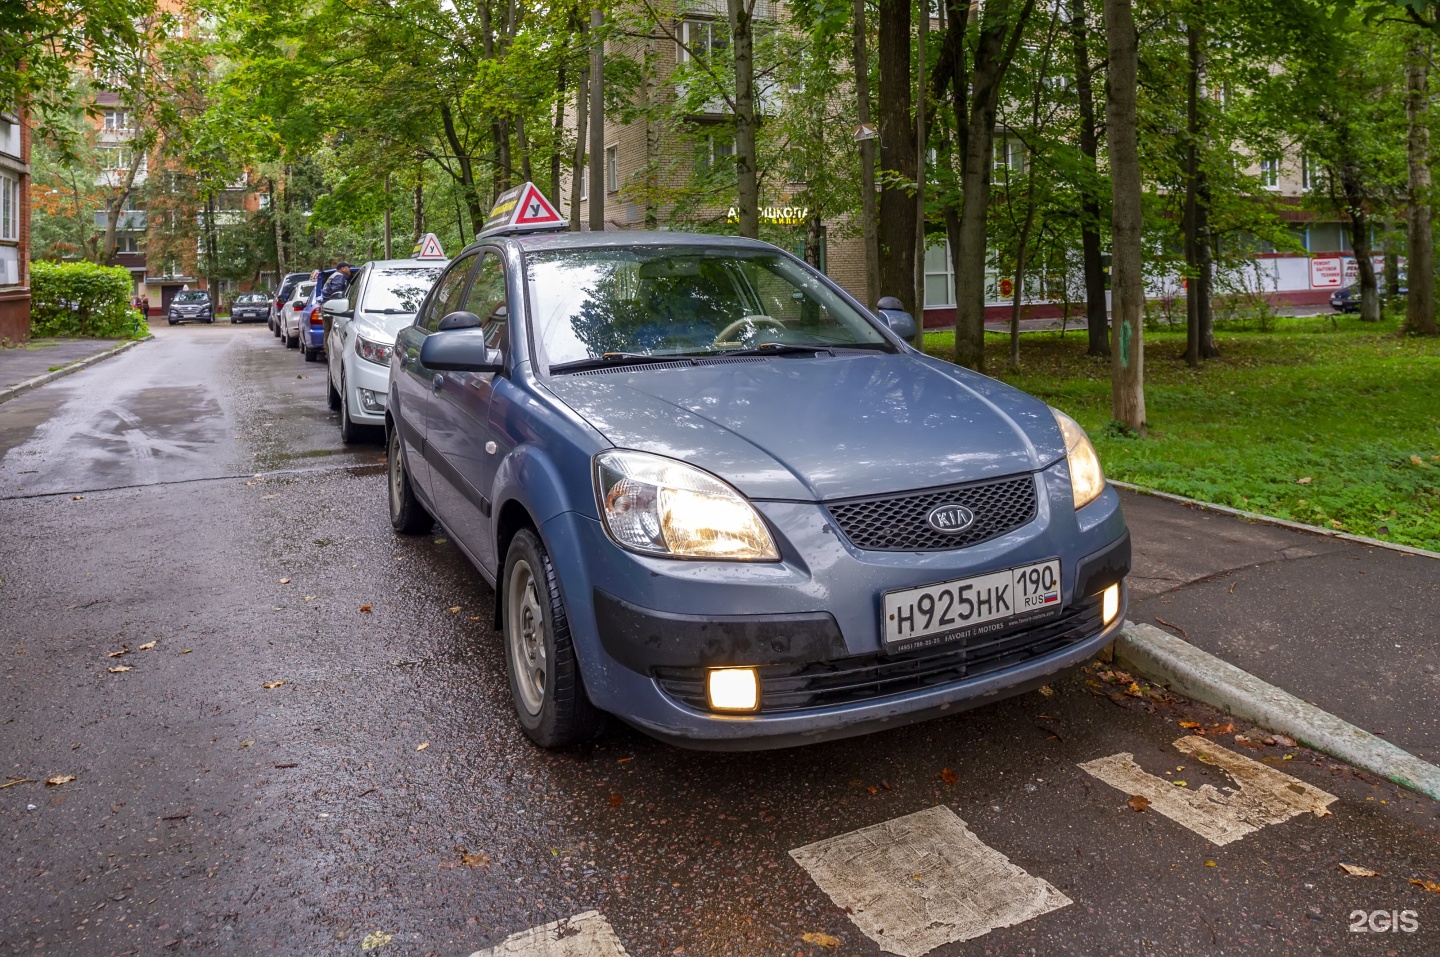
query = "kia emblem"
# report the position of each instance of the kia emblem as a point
(950, 519)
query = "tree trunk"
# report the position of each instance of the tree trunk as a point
(275, 228)
(896, 226)
(1127, 360)
(1360, 244)
(558, 134)
(1199, 324)
(419, 208)
(748, 183)
(597, 121)
(467, 174)
(212, 253)
(389, 248)
(1420, 264)
(869, 227)
(522, 142)
(582, 133)
(117, 203)
(922, 35)
(1097, 317)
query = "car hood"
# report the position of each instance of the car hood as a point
(802, 428)
(378, 327)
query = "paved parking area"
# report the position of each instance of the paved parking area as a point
(316, 754)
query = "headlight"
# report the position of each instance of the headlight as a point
(373, 351)
(659, 506)
(1086, 479)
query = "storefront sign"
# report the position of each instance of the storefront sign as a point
(776, 215)
(1326, 273)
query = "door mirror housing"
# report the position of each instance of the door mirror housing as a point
(892, 313)
(460, 350)
(336, 308)
(459, 320)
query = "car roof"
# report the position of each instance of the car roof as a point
(406, 263)
(619, 239)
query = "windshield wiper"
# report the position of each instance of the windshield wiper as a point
(776, 349)
(617, 359)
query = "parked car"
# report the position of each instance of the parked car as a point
(1348, 299)
(383, 298)
(312, 321)
(293, 314)
(250, 307)
(282, 299)
(191, 305)
(720, 499)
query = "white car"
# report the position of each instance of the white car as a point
(291, 316)
(382, 299)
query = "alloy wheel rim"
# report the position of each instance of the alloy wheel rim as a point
(525, 632)
(397, 473)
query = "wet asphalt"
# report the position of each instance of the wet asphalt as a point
(163, 496)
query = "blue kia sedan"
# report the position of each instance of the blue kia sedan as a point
(721, 500)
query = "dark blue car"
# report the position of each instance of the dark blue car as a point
(722, 501)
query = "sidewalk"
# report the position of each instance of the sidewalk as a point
(39, 356)
(1350, 627)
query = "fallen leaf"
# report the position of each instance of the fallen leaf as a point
(1284, 742)
(308, 598)
(1138, 802)
(1303, 481)
(246, 744)
(187, 651)
(1430, 886)
(58, 780)
(454, 609)
(422, 745)
(1222, 729)
(476, 617)
(474, 860)
(624, 760)
(271, 685)
(119, 669)
(616, 800)
(375, 939)
(441, 541)
(117, 654)
(76, 498)
(1209, 863)
(1320, 811)
(949, 776)
(1355, 870)
(1416, 460)
(872, 790)
(1189, 724)
(1178, 784)
(1046, 690)
(284, 581)
(822, 940)
(147, 646)
(1134, 689)
(365, 608)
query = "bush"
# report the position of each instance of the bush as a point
(82, 299)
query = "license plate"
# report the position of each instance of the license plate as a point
(949, 611)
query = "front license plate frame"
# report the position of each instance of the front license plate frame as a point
(995, 601)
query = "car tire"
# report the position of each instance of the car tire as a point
(310, 354)
(545, 683)
(349, 431)
(172, 321)
(292, 341)
(407, 515)
(332, 397)
(209, 320)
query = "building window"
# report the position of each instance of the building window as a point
(9, 207)
(939, 277)
(119, 158)
(127, 243)
(1310, 172)
(1009, 157)
(714, 151)
(612, 169)
(585, 181)
(118, 121)
(1270, 172)
(702, 38)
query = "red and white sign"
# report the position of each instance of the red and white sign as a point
(534, 209)
(1007, 288)
(522, 209)
(1326, 273)
(428, 248)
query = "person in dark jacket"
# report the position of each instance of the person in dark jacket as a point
(338, 283)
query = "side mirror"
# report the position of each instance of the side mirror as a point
(459, 320)
(336, 308)
(893, 314)
(460, 351)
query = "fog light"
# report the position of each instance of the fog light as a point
(733, 689)
(1110, 603)
(372, 401)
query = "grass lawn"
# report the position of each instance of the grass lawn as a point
(1307, 422)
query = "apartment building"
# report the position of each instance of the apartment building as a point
(14, 226)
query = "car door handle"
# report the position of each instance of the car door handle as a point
(437, 383)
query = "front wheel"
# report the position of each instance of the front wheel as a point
(407, 515)
(545, 681)
(332, 398)
(349, 431)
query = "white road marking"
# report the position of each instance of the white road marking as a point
(1265, 795)
(584, 935)
(923, 880)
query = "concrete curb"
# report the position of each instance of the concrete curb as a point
(1180, 666)
(1272, 520)
(21, 388)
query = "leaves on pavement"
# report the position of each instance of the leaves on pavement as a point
(271, 685)
(365, 608)
(284, 581)
(376, 938)
(949, 776)
(454, 609)
(119, 669)
(823, 940)
(124, 650)
(474, 858)
(422, 745)
(1355, 870)
(1138, 802)
(616, 800)
(147, 646)
(1430, 886)
(58, 780)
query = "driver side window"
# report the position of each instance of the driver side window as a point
(488, 299)
(446, 297)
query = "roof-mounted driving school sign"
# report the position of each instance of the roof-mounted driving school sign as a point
(523, 209)
(428, 248)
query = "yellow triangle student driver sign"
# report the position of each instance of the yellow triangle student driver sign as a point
(521, 210)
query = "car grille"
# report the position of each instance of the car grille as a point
(899, 523)
(869, 677)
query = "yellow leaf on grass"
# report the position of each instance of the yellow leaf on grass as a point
(147, 646)
(1303, 481)
(58, 780)
(822, 940)
(271, 685)
(1416, 460)
(1355, 870)
(119, 669)
(422, 745)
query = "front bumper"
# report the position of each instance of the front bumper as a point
(369, 377)
(646, 629)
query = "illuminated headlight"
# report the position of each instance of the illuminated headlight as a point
(659, 506)
(1110, 604)
(372, 351)
(1086, 479)
(732, 689)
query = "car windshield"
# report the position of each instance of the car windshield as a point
(252, 298)
(689, 300)
(398, 290)
(303, 290)
(192, 297)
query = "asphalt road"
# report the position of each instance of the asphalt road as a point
(193, 493)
